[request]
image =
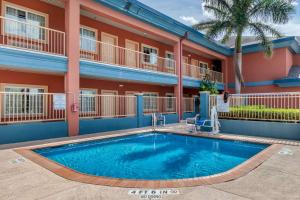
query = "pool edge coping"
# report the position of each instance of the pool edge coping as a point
(70, 174)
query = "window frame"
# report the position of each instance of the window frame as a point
(148, 111)
(205, 63)
(3, 86)
(96, 101)
(96, 38)
(170, 110)
(168, 60)
(27, 10)
(150, 47)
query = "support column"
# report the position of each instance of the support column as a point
(178, 89)
(204, 105)
(139, 109)
(72, 24)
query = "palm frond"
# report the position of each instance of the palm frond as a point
(205, 24)
(217, 12)
(275, 11)
(261, 36)
(224, 5)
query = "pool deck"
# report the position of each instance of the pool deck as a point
(276, 178)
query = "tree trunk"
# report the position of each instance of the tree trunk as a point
(238, 64)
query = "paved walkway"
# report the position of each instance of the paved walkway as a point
(277, 178)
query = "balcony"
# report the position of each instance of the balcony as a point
(22, 35)
(201, 73)
(115, 55)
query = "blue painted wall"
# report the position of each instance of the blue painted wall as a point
(88, 126)
(26, 60)
(100, 70)
(260, 128)
(32, 131)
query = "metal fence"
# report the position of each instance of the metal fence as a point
(200, 72)
(106, 106)
(107, 53)
(18, 107)
(263, 106)
(154, 104)
(18, 34)
(189, 104)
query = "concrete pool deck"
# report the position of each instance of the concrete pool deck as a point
(276, 178)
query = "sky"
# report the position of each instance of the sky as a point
(191, 11)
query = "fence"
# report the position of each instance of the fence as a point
(18, 107)
(264, 106)
(189, 104)
(201, 73)
(111, 54)
(154, 104)
(24, 35)
(105, 106)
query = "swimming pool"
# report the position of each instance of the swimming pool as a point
(152, 156)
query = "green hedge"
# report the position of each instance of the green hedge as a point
(262, 112)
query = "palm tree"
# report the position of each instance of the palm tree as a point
(235, 17)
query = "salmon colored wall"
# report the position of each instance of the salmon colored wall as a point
(256, 67)
(115, 85)
(56, 15)
(122, 35)
(289, 61)
(54, 83)
(296, 59)
(197, 57)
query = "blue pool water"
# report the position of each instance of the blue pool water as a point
(153, 156)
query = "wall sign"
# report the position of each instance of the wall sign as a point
(221, 105)
(59, 101)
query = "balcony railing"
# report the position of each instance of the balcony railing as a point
(189, 104)
(106, 106)
(111, 54)
(155, 104)
(20, 107)
(262, 106)
(28, 36)
(200, 73)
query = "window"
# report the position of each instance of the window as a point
(23, 100)
(88, 39)
(203, 65)
(87, 100)
(31, 26)
(170, 102)
(150, 102)
(150, 55)
(170, 60)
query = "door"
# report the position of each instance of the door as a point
(131, 55)
(185, 66)
(109, 103)
(109, 48)
(130, 108)
(195, 71)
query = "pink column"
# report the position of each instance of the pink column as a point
(72, 23)
(178, 89)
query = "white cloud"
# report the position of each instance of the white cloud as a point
(189, 19)
(205, 13)
(295, 3)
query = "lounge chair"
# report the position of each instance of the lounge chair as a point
(196, 122)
